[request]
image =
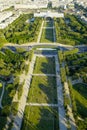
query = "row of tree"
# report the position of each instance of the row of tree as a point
(23, 30)
(70, 30)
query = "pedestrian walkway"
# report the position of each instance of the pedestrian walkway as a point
(42, 104)
(70, 113)
(62, 117)
(51, 75)
(19, 117)
(45, 55)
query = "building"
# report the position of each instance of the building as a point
(49, 14)
(5, 15)
(7, 18)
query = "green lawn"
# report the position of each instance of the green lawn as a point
(45, 65)
(43, 90)
(47, 33)
(80, 94)
(47, 36)
(40, 118)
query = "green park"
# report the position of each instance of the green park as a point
(35, 75)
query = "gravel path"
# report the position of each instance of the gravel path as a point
(51, 75)
(70, 113)
(19, 117)
(42, 104)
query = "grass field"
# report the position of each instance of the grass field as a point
(80, 94)
(43, 90)
(47, 36)
(45, 65)
(47, 33)
(40, 118)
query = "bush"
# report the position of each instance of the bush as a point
(6, 110)
(14, 108)
(63, 74)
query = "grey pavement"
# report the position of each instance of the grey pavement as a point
(61, 110)
(38, 43)
(77, 81)
(70, 113)
(41, 55)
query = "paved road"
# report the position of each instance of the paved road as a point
(62, 117)
(36, 44)
(46, 44)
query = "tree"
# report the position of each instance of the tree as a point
(6, 110)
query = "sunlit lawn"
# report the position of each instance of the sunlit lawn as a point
(43, 90)
(40, 118)
(45, 65)
(47, 36)
(80, 95)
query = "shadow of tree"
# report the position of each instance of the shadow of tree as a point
(49, 32)
(46, 91)
(49, 67)
(45, 65)
(49, 35)
(81, 109)
(81, 89)
(44, 119)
